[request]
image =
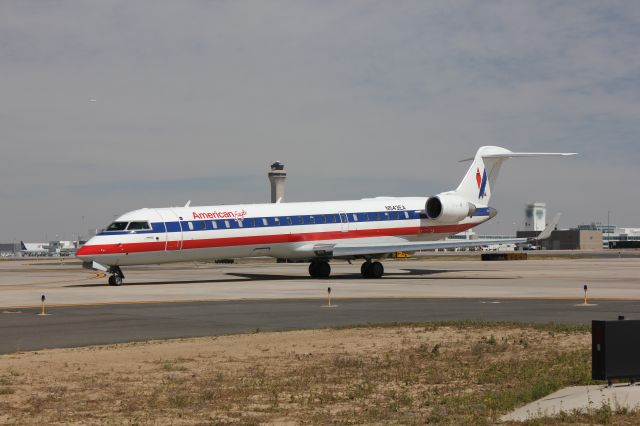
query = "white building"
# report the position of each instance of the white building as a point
(535, 217)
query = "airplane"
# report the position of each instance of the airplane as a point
(368, 229)
(34, 249)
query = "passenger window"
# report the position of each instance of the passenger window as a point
(366, 216)
(190, 226)
(226, 223)
(377, 216)
(203, 225)
(117, 226)
(386, 215)
(312, 220)
(214, 225)
(264, 221)
(320, 219)
(289, 222)
(276, 220)
(406, 215)
(355, 217)
(249, 223)
(240, 225)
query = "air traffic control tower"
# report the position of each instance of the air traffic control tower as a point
(535, 217)
(277, 175)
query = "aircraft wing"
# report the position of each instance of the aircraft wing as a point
(353, 249)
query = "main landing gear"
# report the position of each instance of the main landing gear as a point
(322, 269)
(372, 269)
(319, 269)
(117, 277)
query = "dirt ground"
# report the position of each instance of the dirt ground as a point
(396, 374)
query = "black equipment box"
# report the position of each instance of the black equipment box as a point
(503, 256)
(615, 349)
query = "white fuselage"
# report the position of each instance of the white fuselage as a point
(285, 230)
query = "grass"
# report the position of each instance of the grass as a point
(441, 373)
(550, 327)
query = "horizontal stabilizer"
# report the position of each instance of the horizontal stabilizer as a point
(530, 154)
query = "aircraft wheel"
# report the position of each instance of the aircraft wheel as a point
(377, 270)
(115, 280)
(365, 270)
(323, 270)
(319, 269)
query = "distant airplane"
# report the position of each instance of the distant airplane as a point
(368, 229)
(34, 249)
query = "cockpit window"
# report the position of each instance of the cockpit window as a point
(117, 226)
(138, 226)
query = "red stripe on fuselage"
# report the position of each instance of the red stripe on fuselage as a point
(101, 249)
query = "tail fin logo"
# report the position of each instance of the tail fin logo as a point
(482, 183)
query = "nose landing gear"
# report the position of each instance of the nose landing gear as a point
(117, 277)
(115, 280)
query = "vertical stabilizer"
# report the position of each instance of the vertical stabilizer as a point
(480, 180)
(478, 183)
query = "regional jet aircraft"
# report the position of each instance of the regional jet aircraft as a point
(367, 229)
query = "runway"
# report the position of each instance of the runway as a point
(23, 330)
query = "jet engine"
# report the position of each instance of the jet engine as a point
(448, 208)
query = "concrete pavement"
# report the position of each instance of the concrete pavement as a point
(23, 282)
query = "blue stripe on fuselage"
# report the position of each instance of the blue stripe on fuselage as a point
(277, 221)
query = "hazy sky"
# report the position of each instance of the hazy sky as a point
(109, 106)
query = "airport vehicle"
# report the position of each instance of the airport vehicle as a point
(368, 229)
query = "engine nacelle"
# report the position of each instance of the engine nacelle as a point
(448, 208)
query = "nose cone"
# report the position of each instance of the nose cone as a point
(82, 252)
(88, 250)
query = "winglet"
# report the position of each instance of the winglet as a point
(546, 233)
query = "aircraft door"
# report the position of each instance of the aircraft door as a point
(173, 231)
